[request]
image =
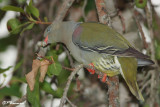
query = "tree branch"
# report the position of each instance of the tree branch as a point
(83, 10)
(154, 76)
(113, 84)
(64, 97)
(102, 11)
(63, 10)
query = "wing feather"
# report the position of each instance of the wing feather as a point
(95, 37)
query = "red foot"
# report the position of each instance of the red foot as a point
(104, 78)
(92, 71)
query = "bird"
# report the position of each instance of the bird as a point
(99, 48)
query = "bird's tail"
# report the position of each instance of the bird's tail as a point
(135, 90)
(129, 72)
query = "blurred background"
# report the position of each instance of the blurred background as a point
(17, 50)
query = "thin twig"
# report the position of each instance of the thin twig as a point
(145, 85)
(52, 101)
(70, 102)
(83, 10)
(122, 21)
(69, 57)
(141, 30)
(18, 101)
(63, 10)
(66, 68)
(146, 77)
(51, 9)
(40, 22)
(155, 74)
(63, 99)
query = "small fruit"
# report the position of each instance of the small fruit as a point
(141, 3)
(12, 26)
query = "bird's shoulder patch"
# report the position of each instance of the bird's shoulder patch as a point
(77, 32)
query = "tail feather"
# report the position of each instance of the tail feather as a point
(129, 72)
(135, 90)
(144, 62)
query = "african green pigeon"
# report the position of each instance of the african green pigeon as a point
(99, 48)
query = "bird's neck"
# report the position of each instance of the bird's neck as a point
(65, 34)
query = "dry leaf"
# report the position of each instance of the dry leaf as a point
(43, 69)
(30, 77)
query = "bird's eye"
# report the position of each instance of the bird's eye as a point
(49, 29)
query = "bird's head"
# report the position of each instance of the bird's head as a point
(51, 32)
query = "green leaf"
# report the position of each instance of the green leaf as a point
(4, 70)
(47, 88)
(12, 8)
(63, 76)
(13, 90)
(59, 93)
(30, 3)
(18, 79)
(32, 10)
(53, 53)
(18, 65)
(45, 19)
(34, 96)
(30, 26)
(19, 27)
(54, 69)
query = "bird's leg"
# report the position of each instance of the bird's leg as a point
(103, 77)
(91, 70)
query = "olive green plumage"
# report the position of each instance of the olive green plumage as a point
(129, 69)
(96, 43)
(97, 37)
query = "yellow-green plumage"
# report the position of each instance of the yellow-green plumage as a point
(114, 57)
(129, 69)
(96, 43)
(127, 66)
(97, 31)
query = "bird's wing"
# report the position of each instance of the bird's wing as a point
(129, 74)
(100, 38)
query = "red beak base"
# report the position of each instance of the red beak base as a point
(46, 39)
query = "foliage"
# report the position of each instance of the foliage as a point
(30, 26)
(6, 69)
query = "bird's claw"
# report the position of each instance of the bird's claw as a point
(103, 77)
(91, 70)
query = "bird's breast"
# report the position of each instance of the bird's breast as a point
(107, 64)
(102, 62)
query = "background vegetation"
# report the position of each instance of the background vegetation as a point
(137, 20)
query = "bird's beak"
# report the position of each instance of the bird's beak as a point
(46, 39)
